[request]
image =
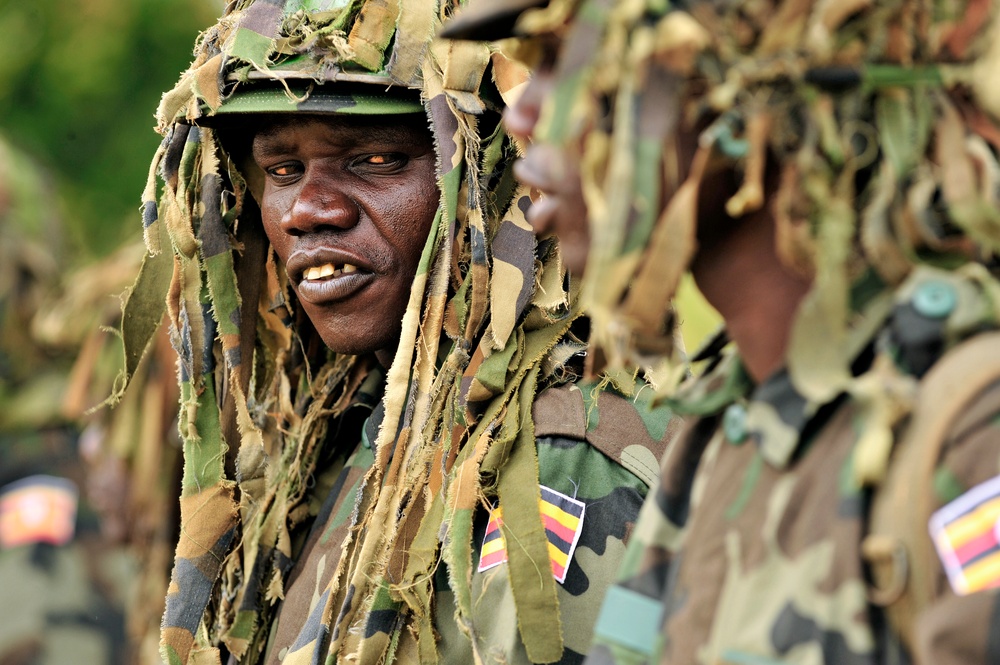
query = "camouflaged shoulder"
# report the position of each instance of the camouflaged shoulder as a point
(630, 431)
(900, 554)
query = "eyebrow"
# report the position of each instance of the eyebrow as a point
(266, 140)
(268, 137)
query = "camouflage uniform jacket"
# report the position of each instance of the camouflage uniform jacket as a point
(750, 551)
(596, 449)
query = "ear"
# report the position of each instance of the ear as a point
(253, 174)
(236, 138)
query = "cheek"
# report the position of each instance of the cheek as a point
(430, 199)
(272, 208)
(417, 210)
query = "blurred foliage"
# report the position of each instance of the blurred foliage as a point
(79, 83)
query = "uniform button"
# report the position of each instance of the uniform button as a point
(734, 424)
(935, 299)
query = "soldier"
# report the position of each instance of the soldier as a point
(129, 456)
(827, 172)
(63, 588)
(373, 344)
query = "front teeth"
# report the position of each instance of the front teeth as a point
(318, 272)
(328, 270)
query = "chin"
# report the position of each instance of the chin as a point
(354, 331)
(359, 344)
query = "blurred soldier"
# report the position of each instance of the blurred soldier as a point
(375, 347)
(63, 588)
(828, 173)
(129, 455)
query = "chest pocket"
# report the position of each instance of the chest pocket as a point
(630, 433)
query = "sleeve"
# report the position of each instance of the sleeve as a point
(628, 629)
(609, 466)
(597, 457)
(962, 624)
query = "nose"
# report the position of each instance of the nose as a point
(520, 118)
(319, 203)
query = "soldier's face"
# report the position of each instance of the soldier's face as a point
(552, 170)
(347, 205)
(555, 170)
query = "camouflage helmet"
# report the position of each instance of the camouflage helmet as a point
(275, 57)
(874, 115)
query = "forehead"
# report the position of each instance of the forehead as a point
(407, 131)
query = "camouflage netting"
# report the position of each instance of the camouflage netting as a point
(881, 118)
(258, 392)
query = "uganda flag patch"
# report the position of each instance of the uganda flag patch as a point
(38, 509)
(563, 519)
(494, 550)
(966, 533)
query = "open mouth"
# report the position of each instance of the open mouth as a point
(327, 271)
(329, 282)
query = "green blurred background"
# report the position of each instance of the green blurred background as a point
(79, 82)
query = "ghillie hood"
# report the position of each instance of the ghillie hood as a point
(880, 118)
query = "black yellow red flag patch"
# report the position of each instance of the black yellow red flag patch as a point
(563, 519)
(966, 533)
(38, 509)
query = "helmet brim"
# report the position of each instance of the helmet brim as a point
(313, 98)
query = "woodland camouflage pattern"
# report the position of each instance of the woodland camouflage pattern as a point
(882, 121)
(819, 84)
(261, 399)
(751, 550)
(592, 445)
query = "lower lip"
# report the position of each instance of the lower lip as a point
(325, 291)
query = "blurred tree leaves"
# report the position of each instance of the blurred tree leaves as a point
(79, 83)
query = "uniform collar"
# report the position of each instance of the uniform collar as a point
(773, 415)
(776, 418)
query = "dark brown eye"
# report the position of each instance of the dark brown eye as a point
(383, 162)
(284, 170)
(385, 159)
(549, 54)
